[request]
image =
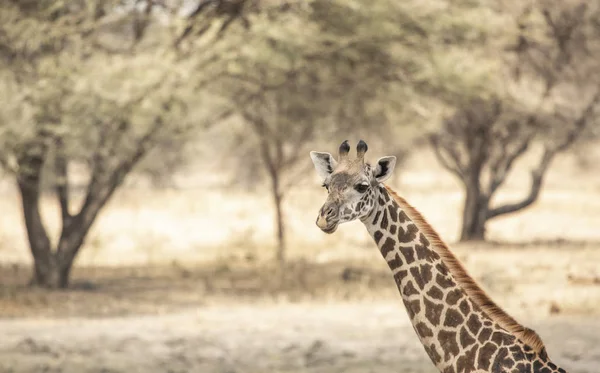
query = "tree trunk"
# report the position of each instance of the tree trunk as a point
(475, 213)
(53, 274)
(279, 219)
(45, 269)
(281, 243)
(52, 268)
(71, 240)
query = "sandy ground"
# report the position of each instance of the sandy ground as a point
(318, 320)
(349, 337)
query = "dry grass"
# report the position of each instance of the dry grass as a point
(154, 251)
(528, 280)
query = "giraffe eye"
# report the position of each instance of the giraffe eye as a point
(362, 187)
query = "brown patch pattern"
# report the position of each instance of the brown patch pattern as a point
(472, 289)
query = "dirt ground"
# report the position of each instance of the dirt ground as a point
(315, 318)
(303, 337)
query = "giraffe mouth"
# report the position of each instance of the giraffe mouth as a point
(331, 229)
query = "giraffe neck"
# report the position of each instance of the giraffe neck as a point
(456, 333)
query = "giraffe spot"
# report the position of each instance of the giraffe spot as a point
(543, 354)
(347, 211)
(487, 323)
(414, 307)
(433, 312)
(435, 293)
(448, 344)
(377, 235)
(442, 269)
(465, 338)
(376, 219)
(501, 338)
(517, 352)
(502, 360)
(485, 356)
(408, 253)
(409, 289)
(561, 370)
(523, 367)
(539, 368)
(552, 366)
(531, 356)
(393, 212)
(433, 354)
(484, 335)
(408, 235)
(466, 363)
(388, 246)
(454, 296)
(424, 252)
(396, 262)
(424, 241)
(399, 276)
(423, 330)
(432, 256)
(422, 274)
(386, 195)
(421, 251)
(444, 282)
(464, 307)
(474, 324)
(453, 318)
(402, 217)
(381, 201)
(384, 219)
(393, 229)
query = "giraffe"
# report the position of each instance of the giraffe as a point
(460, 327)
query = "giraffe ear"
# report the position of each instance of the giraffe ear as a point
(324, 163)
(385, 167)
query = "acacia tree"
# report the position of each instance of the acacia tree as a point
(76, 98)
(308, 75)
(554, 57)
(479, 145)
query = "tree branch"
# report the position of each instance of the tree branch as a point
(104, 181)
(580, 124)
(455, 168)
(62, 181)
(500, 170)
(537, 175)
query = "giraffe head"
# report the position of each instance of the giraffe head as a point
(351, 184)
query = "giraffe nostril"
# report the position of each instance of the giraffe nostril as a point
(328, 212)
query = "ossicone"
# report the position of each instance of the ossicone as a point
(344, 149)
(361, 149)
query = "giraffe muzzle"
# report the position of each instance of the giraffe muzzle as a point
(328, 218)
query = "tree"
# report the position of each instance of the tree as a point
(307, 75)
(77, 101)
(479, 145)
(554, 60)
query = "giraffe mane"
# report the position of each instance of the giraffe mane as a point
(469, 285)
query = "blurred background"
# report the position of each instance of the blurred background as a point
(157, 200)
